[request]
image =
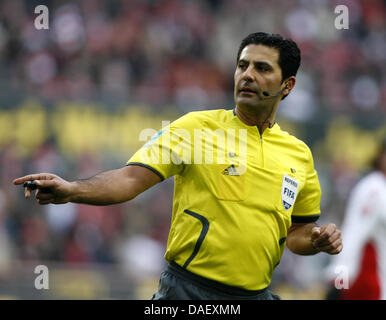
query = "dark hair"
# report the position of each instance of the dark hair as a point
(289, 53)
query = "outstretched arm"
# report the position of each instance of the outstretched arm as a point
(309, 239)
(109, 187)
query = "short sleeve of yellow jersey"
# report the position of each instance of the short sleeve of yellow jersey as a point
(169, 151)
(307, 205)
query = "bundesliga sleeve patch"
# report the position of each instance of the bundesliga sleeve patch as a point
(289, 191)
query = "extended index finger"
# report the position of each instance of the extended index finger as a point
(30, 177)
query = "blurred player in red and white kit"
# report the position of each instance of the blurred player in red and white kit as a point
(364, 235)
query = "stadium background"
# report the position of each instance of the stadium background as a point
(74, 98)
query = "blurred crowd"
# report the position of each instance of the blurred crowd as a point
(162, 53)
(184, 51)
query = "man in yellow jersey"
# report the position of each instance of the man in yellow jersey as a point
(243, 187)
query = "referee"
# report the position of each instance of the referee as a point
(243, 187)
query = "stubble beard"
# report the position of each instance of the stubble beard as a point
(258, 109)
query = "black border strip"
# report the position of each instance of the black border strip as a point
(146, 166)
(204, 231)
(305, 219)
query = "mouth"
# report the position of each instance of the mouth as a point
(247, 90)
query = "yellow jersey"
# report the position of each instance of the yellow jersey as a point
(236, 193)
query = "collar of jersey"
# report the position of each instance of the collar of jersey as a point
(268, 130)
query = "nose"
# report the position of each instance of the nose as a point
(247, 75)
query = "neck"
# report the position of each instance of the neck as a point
(262, 121)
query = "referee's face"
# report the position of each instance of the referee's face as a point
(257, 70)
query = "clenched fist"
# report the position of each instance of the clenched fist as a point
(327, 238)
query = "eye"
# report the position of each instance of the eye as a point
(263, 68)
(242, 65)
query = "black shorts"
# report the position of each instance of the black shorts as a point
(176, 283)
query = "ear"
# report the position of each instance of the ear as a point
(289, 83)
